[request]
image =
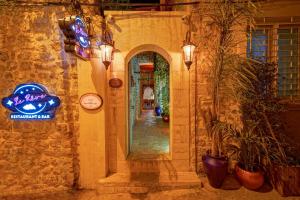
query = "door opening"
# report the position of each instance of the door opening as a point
(149, 97)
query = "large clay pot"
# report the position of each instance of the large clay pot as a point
(216, 169)
(250, 180)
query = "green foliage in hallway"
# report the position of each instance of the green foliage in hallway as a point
(161, 80)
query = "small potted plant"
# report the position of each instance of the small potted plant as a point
(166, 116)
(214, 161)
(249, 149)
(166, 112)
(157, 110)
(257, 146)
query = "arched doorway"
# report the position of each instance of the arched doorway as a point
(148, 105)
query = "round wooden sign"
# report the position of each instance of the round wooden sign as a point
(91, 101)
(115, 82)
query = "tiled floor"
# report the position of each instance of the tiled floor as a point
(150, 137)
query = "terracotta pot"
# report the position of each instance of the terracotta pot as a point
(250, 180)
(215, 169)
(166, 118)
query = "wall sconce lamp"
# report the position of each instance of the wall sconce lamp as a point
(106, 54)
(106, 45)
(188, 50)
(188, 47)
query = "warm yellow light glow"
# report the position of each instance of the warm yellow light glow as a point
(188, 50)
(106, 54)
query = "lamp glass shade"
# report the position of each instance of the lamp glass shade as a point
(188, 50)
(106, 54)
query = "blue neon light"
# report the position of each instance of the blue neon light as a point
(31, 102)
(80, 31)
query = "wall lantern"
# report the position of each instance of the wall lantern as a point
(188, 47)
(106, 45)
(188, 50)
(106, 53)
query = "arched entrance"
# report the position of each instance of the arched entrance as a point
(111, 142)
(149, 113)
(148, 83)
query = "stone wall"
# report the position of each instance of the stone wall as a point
(134, 94)
(204, 36)
(37, 155)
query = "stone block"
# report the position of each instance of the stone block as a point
(31, 147)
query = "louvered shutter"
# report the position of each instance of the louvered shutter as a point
(288, 61)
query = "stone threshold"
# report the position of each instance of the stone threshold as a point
(144, 182)
(148, 157)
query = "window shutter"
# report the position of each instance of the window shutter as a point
(288, 61)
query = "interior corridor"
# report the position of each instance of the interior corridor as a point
(150, 137)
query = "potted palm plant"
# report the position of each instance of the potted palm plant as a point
(249, 149)
(257, 146)
(285, 174)
(224, 17)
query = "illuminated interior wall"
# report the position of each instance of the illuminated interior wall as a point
(134, 94)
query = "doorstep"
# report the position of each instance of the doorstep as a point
(144, 182)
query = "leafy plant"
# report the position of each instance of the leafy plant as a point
(223, 16)
(165, 105)
(161, 79)
(257, 144)
(247, 148)
(253, 150)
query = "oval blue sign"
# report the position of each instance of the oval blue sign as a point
(31, 102)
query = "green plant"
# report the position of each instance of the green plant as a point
(256, 92)
(246, 147)
(257, 144)
(251, 149)
(223, 16)
(161, 79)
(262, 143)
(165, 105)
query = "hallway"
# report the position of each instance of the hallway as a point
(150, 137)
